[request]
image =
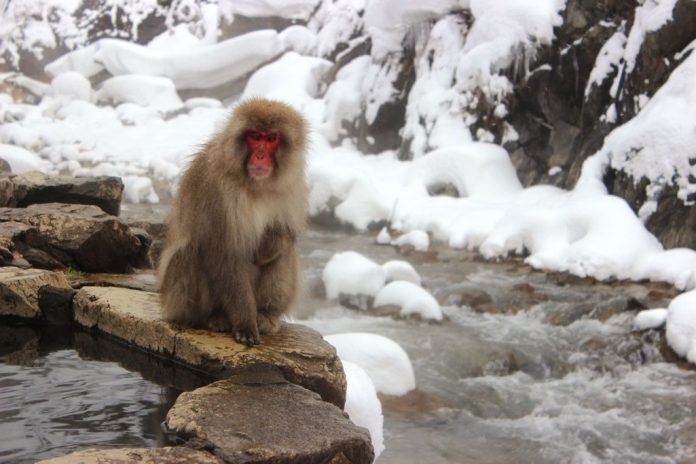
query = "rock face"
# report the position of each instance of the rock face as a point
(299, 352)
(35, 187)
(56, 235)
(233, 418)
(178, 455)
(20, 289)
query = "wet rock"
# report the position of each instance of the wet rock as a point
(356, 301)
(530, 292)
(134, 316)
(478, 300)
(259, 417)
(19, 290)
(412, 404)
(172, 455)
(145, 281)
(56, 304)
(74, 235)
(21, 190)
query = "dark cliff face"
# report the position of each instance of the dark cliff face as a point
(560, 125)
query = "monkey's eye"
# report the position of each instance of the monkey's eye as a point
(254, 135)
(272, 137)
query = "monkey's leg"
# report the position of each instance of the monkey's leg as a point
(237, 301)
(276, 289)
(185, 293)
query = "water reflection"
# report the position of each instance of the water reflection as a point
(62, 391)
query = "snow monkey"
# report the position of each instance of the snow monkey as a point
(229, 262)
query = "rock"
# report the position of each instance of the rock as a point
(56, 304)
(413, 404)
(19, 290)
(259, 417)
(134, 316)
(172, 455)
(479, 301)
(34, 187)
(79, 235)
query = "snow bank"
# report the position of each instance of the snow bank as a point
(657, 143)
(681, 325)
(352, 273)
(383, 359)
(418, 239)
(291, 9)
(71, 84)
(159, 93)
(411, 298)
(139, 189)
(22, 160)
(191, 67)
(363, 405)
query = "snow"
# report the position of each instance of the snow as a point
(71, 84)
(22, 160)
(139, 189)
(159, 93)
(657, 143)
(387, 364)
(200, 67)
(412, 299)
(650, 319)
(681, 325)
(363, 405)
(291, 9)
(418, 239)
(401, 270)
(351, 273)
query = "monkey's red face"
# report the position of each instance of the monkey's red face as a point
(262, 150)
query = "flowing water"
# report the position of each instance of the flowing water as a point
(546, 371)
(550, 372)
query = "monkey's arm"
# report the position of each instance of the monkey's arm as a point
(275, 241)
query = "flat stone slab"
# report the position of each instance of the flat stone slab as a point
(261, 418)
(134, 316)
(19, 290)
(21, 190)
(171, 455)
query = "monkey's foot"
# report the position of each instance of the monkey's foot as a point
(248, 335)
(218, 322)
(268, 324)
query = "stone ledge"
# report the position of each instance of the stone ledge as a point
(299, 352)
(19, 290)
(259, 417)
(177, 455)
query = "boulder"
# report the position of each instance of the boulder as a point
(56, 235)
(170, 455)
(21, 190)
(299, 352)
(20, 290)
(259, 417)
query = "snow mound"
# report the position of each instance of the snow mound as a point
(158, 93)
(353, 274)
(139, 189)
(412, 299)
(418, 239)
(363, 405)
(22, 160)
(401, 270)
(383, 359)
(681, 325)
(71, 84)
(291, 9)
(650, 319)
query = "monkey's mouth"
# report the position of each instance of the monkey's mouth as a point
(259, 172)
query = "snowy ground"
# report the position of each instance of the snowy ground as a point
(136, 125)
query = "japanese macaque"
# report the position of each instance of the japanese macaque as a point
(229, 262)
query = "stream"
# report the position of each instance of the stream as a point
(548, 372)
(527, 367)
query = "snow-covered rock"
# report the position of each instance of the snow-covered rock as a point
(353, 274)
(412, 299)
(363, 405)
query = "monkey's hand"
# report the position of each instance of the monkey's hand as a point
(275, 241)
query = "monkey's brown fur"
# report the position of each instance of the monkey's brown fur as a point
(229, 262)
